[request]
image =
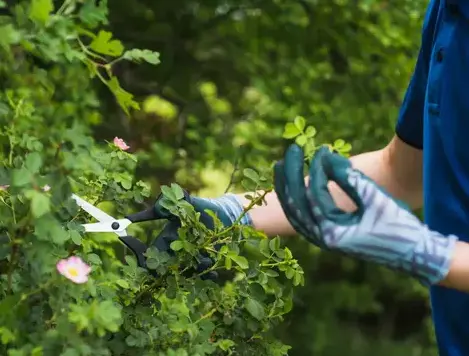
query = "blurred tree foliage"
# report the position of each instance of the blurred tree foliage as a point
(232, 73)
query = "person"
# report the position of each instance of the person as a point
(362, 206)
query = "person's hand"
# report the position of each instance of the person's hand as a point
(227, 208)
(381, 230)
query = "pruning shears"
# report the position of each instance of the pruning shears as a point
(107, 223)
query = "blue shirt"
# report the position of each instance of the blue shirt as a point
(435, 117)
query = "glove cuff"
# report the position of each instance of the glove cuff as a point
(432, 257)
(232, 206)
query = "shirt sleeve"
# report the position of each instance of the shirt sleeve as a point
(409, 126)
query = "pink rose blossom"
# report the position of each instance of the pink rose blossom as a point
(46, 188)
(121, 144)
(74, 269)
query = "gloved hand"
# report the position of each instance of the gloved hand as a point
(227, 208)
(381, 230)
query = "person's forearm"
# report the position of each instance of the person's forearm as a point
(458, 276)
(397, 168)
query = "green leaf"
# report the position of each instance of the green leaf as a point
(290, 131)
(40, 203)
(339, 143)
(21, 177)
(177, 245)
(169, 193)
(264, 247)
(92, 14)
(297, 278)
(271, 273)
(274, 243)
(40, 10)
(123, 283)
(301, 140)
(139, 55)
(228, 263)
(94, 259)
(178, 191)
(300, 123)
(310, 131)
(48, 228)
(152, 263)
(239, 260)
(33, 162)
(251, 174)
(104, 44)
(75, 237)
(70, 352)
(225, 344)
(255, 308)
(6, 336)
(124, 98)
(289, 273)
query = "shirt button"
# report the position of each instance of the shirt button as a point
(439, 55)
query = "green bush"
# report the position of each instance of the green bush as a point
(67, 293)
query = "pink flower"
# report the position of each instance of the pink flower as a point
(74, 269)
(121, 144)
(4, 187)
(46, 188)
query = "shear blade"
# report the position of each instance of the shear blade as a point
(92, 210)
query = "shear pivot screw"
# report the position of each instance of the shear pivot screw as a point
(115, 225)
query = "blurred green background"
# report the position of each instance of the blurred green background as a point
(232, 73)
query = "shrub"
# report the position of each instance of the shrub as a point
(47, 110)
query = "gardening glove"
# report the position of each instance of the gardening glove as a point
(227, 208)
(381, 230)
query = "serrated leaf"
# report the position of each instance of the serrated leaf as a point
(104, 44)
(300, 123)
(255, 308)
(290, 131)
(139, 55)
(40, 10)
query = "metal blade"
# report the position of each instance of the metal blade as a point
(99, 227)
(117, 226)
(92, 210)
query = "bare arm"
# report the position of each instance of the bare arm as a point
(397, 167)
(458, 276)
